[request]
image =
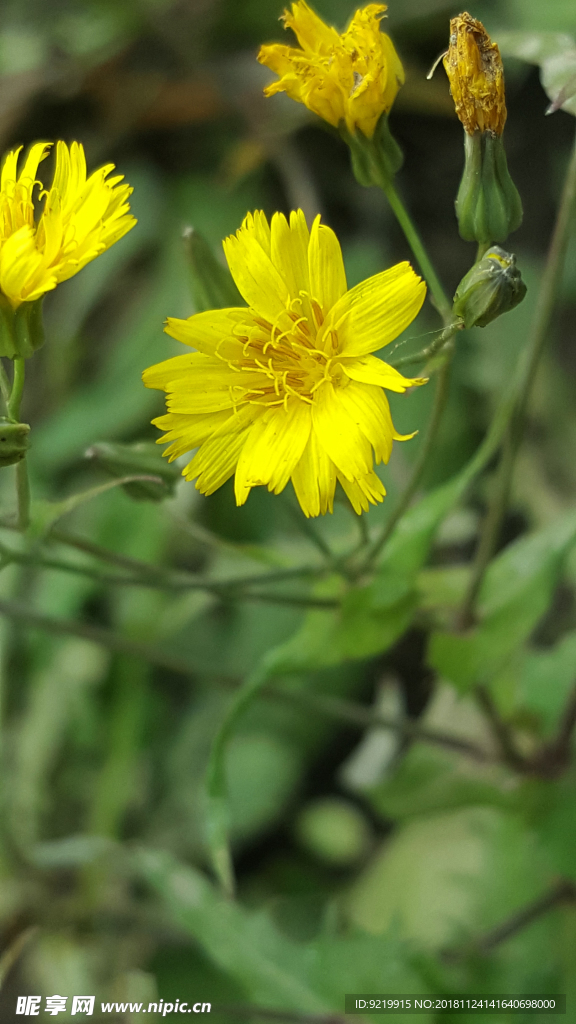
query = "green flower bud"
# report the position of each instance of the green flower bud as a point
(21, 330)
(493, 286)
(14, 442)
(132, 460)
(375, 161)
(488, 206)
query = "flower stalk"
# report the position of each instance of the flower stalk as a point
(541, 326)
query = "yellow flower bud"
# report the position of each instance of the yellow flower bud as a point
(474, 68)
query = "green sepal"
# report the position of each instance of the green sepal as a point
(143, 457)
(211, 283)
(377, 160)
(491, 287)
(21, 329)
(488, 206)
(14, 442)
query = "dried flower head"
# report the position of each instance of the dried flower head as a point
(474, 68)
(352, 78)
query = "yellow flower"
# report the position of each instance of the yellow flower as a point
(81, 218)
(474, 68)
(286, 388)
(351, 78)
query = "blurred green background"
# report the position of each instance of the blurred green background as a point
(360, 857)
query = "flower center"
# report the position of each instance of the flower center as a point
(292, 357)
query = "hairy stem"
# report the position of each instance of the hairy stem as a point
(540, 329)
(431, 350)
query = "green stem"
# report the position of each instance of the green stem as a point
(356, 714)
(22, 481)
(17, 390)
(441, 301)
(55, 625)
(23, 494)
(433, 349)
(540, 329)
(4, 385)
(225, 590)
(440, 399)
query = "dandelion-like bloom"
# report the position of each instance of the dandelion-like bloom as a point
(81, 218)
(351, 78)
(476, 75)
(287, 388)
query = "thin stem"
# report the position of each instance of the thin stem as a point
(309, 530)
(540, 330)
(502, 734)
(563, 891)
(433, 349)
(103, 637)
(440, 399)
(4, 385)
(159, 576)
(17, 390)
(23, 494)
(225, 589)
(22, 481)
(441, 301)
(356, 714)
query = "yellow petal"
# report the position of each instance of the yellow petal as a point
(312, 33)
(163, 374)
(215, 462)
(363, 492)
(272, 449)
(367, 406)
(255, 275)
(327, 274)
(314, 479)
(378, 309)
(206, 331)
(371, 370)
(339, 434)
(289, 250)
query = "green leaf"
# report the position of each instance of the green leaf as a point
(429, 780)
(555, 53)
(275, 971)
(546, 679)
(517, 591)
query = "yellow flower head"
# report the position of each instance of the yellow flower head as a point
(351, 78)
(286, 388)
(474, 68)
(81, 218)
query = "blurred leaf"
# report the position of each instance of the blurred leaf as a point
(275, 971)
(555, 53)
(429, 780)
(211, 283)
(452, 876)
(546, 679)
(262, 772)
(517, 590)
(74, 665)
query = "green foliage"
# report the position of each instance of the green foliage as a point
(516, 592)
